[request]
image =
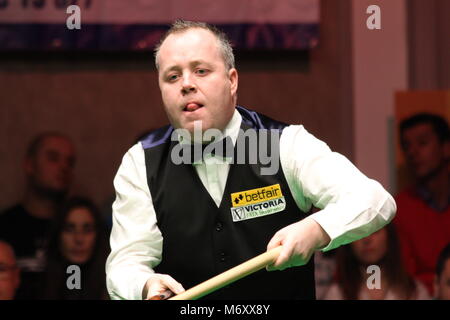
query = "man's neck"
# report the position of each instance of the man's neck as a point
(38, 205)
(438, 186)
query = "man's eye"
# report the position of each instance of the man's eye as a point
(202, 71)
(172, 77)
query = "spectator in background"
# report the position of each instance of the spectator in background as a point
(9, 272)
(48, 166)
(442, 279)
(423, 211)
(79, 238)
(324, 271)
(381, 249)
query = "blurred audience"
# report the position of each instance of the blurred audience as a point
(423, 211)
(442, 279)
(48, 167)
(324, 271)
(382, 250)
(9, 272)
(78, 237)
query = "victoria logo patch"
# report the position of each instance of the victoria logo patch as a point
(255, 203)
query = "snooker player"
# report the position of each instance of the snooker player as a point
(176, 225)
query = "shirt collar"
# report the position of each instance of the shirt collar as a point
(427, 197)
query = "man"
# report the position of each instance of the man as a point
(9, 272)
(442, 278)
(48, 167)
(176, 225)
(423, 216)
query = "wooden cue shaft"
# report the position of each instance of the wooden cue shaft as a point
(229, 276)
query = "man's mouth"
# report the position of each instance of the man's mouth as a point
(192, 106)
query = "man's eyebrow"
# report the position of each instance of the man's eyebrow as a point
(52, 152)
(197, 62)
(172, 68)
(425, 134)
(191, 64)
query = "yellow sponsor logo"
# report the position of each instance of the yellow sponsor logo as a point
(252, 196)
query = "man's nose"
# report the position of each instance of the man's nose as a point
(412, 152)
(66, 165)
(188, 85)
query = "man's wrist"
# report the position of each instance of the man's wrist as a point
(321, 236)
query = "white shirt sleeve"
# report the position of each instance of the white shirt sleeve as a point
(352, 205)
(136, 241)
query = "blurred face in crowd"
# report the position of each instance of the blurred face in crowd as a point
(424, 153)
(442, 283)
(78, 236)
(194, 81)
(372, 249)
(51, 168)
(9, 272)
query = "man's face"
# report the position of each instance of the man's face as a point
(9, 273)
(442, 284)
(51, 169)
(194, 81)
(424, 153)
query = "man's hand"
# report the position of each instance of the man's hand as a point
(161, 285)
(299, 241)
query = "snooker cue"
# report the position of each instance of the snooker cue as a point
(230, 276)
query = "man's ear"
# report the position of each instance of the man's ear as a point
(233, 76)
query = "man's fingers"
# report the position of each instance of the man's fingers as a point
(161, 295)
(284, 255)
(163, 286)
(282, 258)
(172, 284)
(275, 241)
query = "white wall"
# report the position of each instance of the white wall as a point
(379, 69)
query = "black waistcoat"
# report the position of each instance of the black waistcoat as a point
(201, 240)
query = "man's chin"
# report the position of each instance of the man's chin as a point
(55, 192)
(197, 127)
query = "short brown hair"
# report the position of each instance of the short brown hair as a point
(183, 25)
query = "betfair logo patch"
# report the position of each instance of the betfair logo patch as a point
(256, 203)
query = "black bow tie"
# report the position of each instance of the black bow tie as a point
(197, 151)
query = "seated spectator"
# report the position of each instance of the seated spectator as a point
(78, 238)
(48, 167)
(423, 211)
(324, 270)
(382, 250)
(9, 272)
(442, 279)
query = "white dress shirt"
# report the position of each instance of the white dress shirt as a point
(352, 205)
